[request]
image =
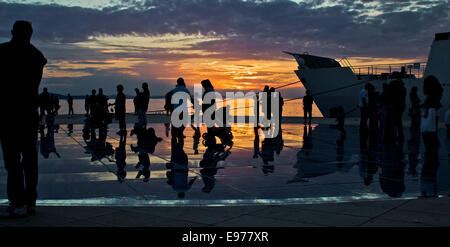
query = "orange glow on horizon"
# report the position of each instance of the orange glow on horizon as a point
(180, 57)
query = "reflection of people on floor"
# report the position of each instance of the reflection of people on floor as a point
(414, 113)
(256, 152)
(121, 156)
(413, 155)
(196, 138)
(433, 90)
(97, 147)
(214, 154)
(392, 177)
(180, 108)
(307, 140)
(146, 144)
(339, 114)
(428, 177)
(269, 147)
(47, 145)
(177, 176)
(69, 129)
(267, 155)
(167, 128)
(340, 150)
(369, 161)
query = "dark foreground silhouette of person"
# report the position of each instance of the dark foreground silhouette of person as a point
(21, 66)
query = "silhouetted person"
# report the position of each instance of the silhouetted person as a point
(86, 104)
(394, 105)
(135, 101)
(143, 104)
(44, 103)
(208, 87)
(280, 108)
(398, 101)
(92, 100)
(145, 95)
(101, 99)
(139, 102)
(364, 109)
(70, 103)
(432, 90)
(280, 102)
(21, 66)
(383, 106)
(177, 132)
(168, 106)
(373, 112)
(307, 106)
(256, 151)
(414, 113)
(120, 110)
(268, 110)
(56, 105)
(100, 109)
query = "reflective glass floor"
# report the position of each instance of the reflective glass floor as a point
(301, 165)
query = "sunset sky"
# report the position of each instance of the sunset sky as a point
(237, 44)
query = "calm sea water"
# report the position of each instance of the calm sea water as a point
(292, 108)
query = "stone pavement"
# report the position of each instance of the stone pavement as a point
(390, 213)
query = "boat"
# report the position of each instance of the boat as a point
(335, 83)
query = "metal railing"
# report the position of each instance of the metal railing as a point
(385, 70)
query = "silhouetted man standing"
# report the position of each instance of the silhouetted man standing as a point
(307, 106)
(146, 96)
(21, 66)
(120, 110)
(70, 103)
(145, 99)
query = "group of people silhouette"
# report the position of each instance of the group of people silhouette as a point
(384, 112)
(22, 66)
